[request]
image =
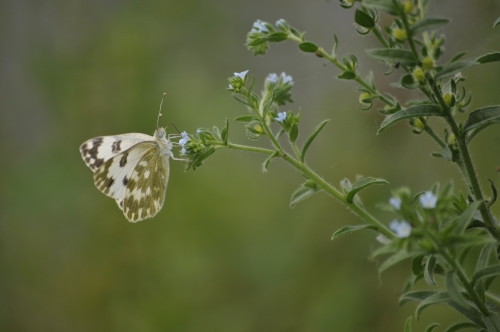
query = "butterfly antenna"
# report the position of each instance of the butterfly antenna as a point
(159, 113)
(173, 125)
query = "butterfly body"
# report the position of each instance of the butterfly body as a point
(131, 168)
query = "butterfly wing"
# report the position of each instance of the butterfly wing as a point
(97, 151)
(145, 192)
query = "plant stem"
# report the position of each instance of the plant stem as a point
(470, 172)
(434, 136)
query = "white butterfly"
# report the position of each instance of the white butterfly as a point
(133, 169)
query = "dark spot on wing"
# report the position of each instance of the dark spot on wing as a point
(125, 181)
(97, 163)
(115, 147)
(90, 154)
(123, 160)
(110, 182)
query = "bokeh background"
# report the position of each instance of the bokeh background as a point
(226, 253)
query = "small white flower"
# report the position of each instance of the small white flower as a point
(185, 138)
(281, 117)
(260, 26)
(241, 75)
(184, 150)
(272, 78)
(281, 23)
(428, 200)
(401, 228)
(198, 131)
(395, 202)
(287, 79)
(230, 86)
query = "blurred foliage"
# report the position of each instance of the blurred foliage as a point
(69, 260)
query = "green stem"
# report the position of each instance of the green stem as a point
(378, 33)
(409, 33)
(358, 79)
(434, 136)
(470, 172)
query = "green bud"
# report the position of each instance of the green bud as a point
(365, 98)
(408, 7)
(428, 63)
(418, 75)
(451, 139)
(448, 98)
(399, 34)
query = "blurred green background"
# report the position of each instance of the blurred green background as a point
(226, 253)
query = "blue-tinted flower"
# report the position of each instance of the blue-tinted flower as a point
(259, 26)
(428, 200)
(401, 228)
(272, 78)
(395, 202)
(281, 117)
(198, 131)
(184, 150)
(281, 23)
(230, 86)
(185, 138)
(241, 75)
(286, 79)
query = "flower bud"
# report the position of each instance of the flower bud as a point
(399, 34)
(448, 98)
(428, 63)
(418, 75)
(408, 7)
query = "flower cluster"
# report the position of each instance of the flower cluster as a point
(238, 81)
(278, 87)
(401, 228)
(262, 33)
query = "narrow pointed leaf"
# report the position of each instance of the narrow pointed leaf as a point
(396, 258)
(347, 75)
(360, 185)
(416, 296)
(453, 68)
(492, 271)
(408, 325)
(495, 192)
(241, 100)
(497, 22)
(392, 55)
(412, 112)
(429, 271)
(349, 229)
(301, 194)
(416, 264)
(428, 24)
(245, 118)
(491, 57)
(454, 289)
(225, 132)
(268, 160)
(431, 327)
(277, 37)
(492, 323)
(433, 299)
(385, 5)
(311, 139)
(466, 217)
(482, 263)
(460, 326)
(482, 117)
(294, 132)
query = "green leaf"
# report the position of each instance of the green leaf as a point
(408, 82)
(412, 112)
(453, 68)
(482, 263)
(396, 258)
(363, 19)
(416, 264)
(431, 327)
(497, 22)
(466, 217)
(225, 132)
(408, 325)
(482, 117)
(454, 289)
(277, 37)
(416, 296)
(268, 160)
(361, 184)
(492, 323)
(495, 192)
(303, 192)
(492, 271)
(458, 56)
(198, 159)
(491, 57)
(460, 326)
(347, 75)
(433, 299)
(241, 100)
(311, 138)
(385, 5)
(392, 55)
(308, 47)
(429, 270)
(294, 132)
(245, 118)
(349, 229)
(428, 24)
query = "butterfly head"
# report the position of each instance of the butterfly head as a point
(160, 133)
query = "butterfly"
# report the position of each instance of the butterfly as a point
(133, 169)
